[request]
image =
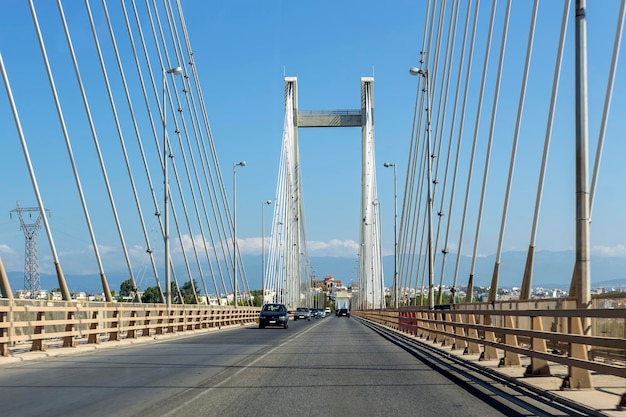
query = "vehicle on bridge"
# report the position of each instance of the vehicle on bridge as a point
(315, 313)
(303, 313)
(343, 312)
(274, 315)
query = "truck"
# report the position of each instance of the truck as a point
(342, 301)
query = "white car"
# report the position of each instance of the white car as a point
(327, 310)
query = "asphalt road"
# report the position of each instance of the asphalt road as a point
(325, 367)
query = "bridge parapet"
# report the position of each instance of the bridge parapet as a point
(546, 331)
(33, 325)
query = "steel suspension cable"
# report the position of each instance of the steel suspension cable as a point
(174, 165)
(199, 143)
(279, 220)
(425, 159)
(105, 285)
(415, 224)
(228, 219)
(518, 122)
(433, 65)
(181, 146)
(470, 56)
(467, 84)
(494, 110)
(432, 157)
(407, 227)
(470, 170)
(170, 106)
(6, 293)
(161, 110)
(137, 135)
(219, 211)
(458, 150)
(96, 141)
(439, 129)
(276, 237)
(607, 103)
(186, 92)
(156, 137)
(528, 270)
(417, 164)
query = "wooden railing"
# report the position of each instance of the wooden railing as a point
(36, 324)
(546, 331)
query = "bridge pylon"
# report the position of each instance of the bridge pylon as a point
(288, 211)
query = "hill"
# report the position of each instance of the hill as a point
(551, 270)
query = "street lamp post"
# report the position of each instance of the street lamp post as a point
(395, 233)
(263, 204)
(166, 218)
(431, 272)
(235, 165)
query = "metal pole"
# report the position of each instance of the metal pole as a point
(395, 233)
(235, 234)
(581, 281)
(429, 205)
(263, 250)
(166, 224)
(395, 237)
(166, 219)
(431, 272)
(235, 165)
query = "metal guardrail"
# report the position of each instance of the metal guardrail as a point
(37, 323)
(546, 331)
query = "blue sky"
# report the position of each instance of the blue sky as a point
(243, 49)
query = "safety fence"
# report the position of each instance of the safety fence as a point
(34, 324)
(546, 331)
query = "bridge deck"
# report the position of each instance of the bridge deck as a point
(604, 397)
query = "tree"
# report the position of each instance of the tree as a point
(151, 295)
(187, 291)
(174, 292)
(257, 298)
(126, 288)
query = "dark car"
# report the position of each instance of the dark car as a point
(274, 315)
(303, 313)
(343, 312)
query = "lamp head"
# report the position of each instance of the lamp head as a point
(417, 71)
(175, 71)
(267, 202)
(389, 164)
(241, 164)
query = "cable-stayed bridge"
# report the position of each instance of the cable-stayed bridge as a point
(289, 267)
(119, 88)
(124, 111)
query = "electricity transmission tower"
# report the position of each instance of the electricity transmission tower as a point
(32, 281)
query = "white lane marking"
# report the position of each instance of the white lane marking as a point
(200, 394)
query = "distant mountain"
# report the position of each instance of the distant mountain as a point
(551, 270)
